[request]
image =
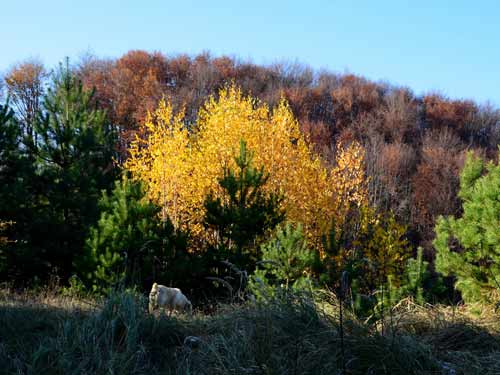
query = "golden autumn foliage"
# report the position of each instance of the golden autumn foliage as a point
(373, 245)
(180, 166)
(383, 242)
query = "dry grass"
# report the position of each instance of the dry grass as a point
(49, 297)
(45, 332)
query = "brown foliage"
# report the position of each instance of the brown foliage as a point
(318, 134)
(96, 73)
(483, 128)
(128, 87)
(436, 181)
(25, 86)
(441, 112)
(178, 71)
(312, 104)
(390, 167)
(399, 116)
(414, 144)
(354, 97)
(225, 67)
(138, 77)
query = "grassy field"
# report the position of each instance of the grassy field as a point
(45, 332)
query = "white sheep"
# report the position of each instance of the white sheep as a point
(168, 298)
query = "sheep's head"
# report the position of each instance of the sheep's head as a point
(154, 291)
(153, 301)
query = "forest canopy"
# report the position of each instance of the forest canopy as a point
(363, 168)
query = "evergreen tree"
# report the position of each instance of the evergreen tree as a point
(416, 273)
(17, 257)
(417, 282)
(9, 157)
(74, 163)
(9, 133)
(10, 160)
(468, 247)
(244, 213)
(130, 245)
(286, 261)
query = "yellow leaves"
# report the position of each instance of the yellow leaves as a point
(348, 177)
(383, 243)
(160, 157)
(181, 167)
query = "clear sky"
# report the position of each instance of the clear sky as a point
(450, 46)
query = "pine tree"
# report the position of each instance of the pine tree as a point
(412, 282)
(17, 257)
(130, 245)
(468, 247)
(9, 157)
(244, 212)
(74, 162)
(286, 260)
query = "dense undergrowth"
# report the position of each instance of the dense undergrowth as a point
(49, 333)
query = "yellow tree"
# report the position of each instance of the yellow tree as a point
(160, 157)
(181, 167)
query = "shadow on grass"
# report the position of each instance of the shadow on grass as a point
(22, 330)
(117, 338)
(287, 336)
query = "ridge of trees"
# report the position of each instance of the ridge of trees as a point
(415, 145)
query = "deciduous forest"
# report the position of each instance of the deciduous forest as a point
(245, 184)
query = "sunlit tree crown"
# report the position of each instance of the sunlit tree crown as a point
(181, 166)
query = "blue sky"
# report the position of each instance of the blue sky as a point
(448, 46)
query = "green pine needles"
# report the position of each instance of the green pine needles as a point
(74, 151)
(245, 212)
(469, 247)
(129, 245)
(286, 263)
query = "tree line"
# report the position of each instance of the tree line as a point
(67, 134)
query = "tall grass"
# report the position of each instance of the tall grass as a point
(287, 335)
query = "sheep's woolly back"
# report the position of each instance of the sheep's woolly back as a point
(181, 302)
(168, 298)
